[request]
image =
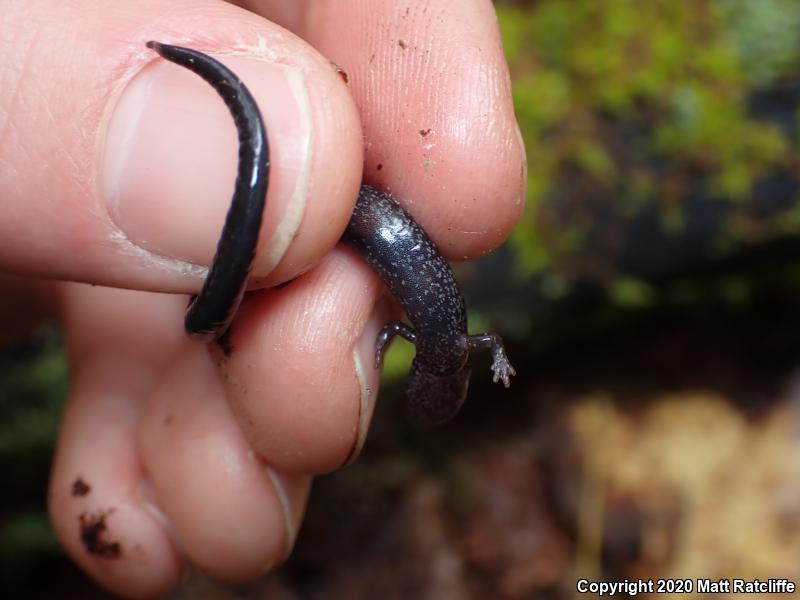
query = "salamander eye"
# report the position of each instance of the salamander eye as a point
(431, 399)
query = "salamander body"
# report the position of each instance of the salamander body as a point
(380, 230)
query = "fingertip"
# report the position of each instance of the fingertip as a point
(292, 493)
(118, 544)
(291, 375)
(434, 93)
(229, 518)
(143, 207)
(171, 198)
(368, 372)
(93, 501)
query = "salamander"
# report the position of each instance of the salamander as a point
(383, 234)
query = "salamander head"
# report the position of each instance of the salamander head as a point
(432, 399)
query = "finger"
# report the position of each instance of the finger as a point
(118, 167)
(233, 515)
(300, 368)
(433, 89)
(289, 14)
(98, 499)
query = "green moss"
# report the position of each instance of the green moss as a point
(397, 361)
(33, 393)
(632, 103)
(631, 292)
(553, 286)
(766, 34)
(593, 158)
(789, 221)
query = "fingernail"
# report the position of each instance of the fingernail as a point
(286, 508)
(171, 155)
(523, 168)
(367, 375)
(147, 497)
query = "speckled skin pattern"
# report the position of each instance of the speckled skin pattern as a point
(380, 230)
(419, 277)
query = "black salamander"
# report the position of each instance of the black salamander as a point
(385, 236)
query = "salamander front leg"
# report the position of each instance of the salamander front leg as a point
(501, 367)
(388, 332)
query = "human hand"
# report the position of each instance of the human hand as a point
(118, 169)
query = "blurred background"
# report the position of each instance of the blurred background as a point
(650, 300)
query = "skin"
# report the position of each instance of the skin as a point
(386, 237)
(417, 275)
(147, 405)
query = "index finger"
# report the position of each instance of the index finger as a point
(433, 89)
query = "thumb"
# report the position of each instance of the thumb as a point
(117, 167)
